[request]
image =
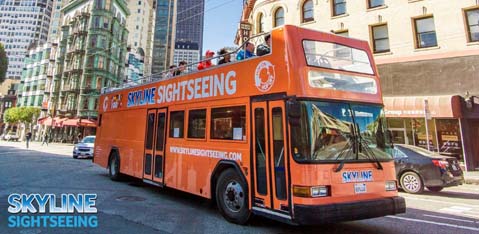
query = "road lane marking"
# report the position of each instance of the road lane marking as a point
(436, 223)
(439, 201)
(442, 217)
(456, 209)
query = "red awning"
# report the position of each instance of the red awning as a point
(88, 123)
(70, 122)
(42, 120)
(447, 106)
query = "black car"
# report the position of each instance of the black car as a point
(417, 168)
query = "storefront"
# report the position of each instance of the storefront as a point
(436, 122)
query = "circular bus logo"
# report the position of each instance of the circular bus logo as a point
(105, 103)
(264, 76)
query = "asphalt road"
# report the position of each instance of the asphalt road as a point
(133, 207)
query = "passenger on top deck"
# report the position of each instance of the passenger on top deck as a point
(207, 63)
(264, 48)
(226, 56)
(248, 52)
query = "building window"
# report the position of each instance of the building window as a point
(308, 11)
(425, 32)
(375, 3)
(380, 38)
(260, 23)
(339, 7)
(279, 17)
(472, 20)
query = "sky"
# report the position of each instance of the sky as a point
(220, 24)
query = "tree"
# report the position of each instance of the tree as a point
(22, 114)
(3, 63)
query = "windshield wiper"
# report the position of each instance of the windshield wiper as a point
(369, 152)
(351, 146)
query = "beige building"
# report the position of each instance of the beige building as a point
(424, 49)
(140, 25)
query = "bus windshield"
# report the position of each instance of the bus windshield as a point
(335, 131)
(337, 57)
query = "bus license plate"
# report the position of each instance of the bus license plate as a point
(359, 188)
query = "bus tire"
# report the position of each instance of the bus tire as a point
(232, 197)
(114, 167)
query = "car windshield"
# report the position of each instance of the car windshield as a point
(88, 140)
(330, 131)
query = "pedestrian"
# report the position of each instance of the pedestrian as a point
(247, 52)
(264, 48)
(226, 56)
(28, 137)
(79, 137)
(45, 139)
(207, 62)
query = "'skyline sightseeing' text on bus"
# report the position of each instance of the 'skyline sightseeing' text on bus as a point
(297, 135)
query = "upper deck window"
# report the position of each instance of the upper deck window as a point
(336, 56)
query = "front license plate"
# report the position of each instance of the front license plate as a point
(360, 188)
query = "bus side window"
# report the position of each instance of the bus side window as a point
(228, 123)
(177, 120)
(197, 124)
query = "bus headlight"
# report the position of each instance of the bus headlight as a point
(391, 185)
(314, 191)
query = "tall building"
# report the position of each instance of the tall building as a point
(55, 21)
(426, 52)
(186, 51)
(91, 55)
(164, 35)
(140, 26)
(189, 29)
(22, 23)
(36, 76)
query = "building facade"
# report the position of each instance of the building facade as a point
(186, 51)
(55, 20)
(140, 25)
(22, 23)
(91, 55)
(425, 51)
(164, 35)
(189, 30)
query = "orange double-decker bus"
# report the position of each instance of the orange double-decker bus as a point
(297, 135)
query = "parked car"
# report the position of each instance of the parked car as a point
(84, 149)
(417, 168)
(11, 137)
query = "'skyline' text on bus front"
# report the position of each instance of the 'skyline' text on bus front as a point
(202, 87)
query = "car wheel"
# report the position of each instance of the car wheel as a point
(411, 182)
(435, 188)
(232, 197)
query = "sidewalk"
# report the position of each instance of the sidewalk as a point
(471, 177)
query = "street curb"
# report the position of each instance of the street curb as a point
(471, 181)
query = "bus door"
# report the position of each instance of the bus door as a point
(270, 157)
(154, 145)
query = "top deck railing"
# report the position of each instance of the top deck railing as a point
(188, 68)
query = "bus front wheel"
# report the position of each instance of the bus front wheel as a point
(114, 167)
(232, 197)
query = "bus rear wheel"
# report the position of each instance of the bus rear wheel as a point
(232, 197)
(114, 167)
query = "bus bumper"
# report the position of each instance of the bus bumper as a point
(313, 215)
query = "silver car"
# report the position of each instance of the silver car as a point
(84, 149)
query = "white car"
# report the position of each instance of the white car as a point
(11, 137)
(84, 149)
